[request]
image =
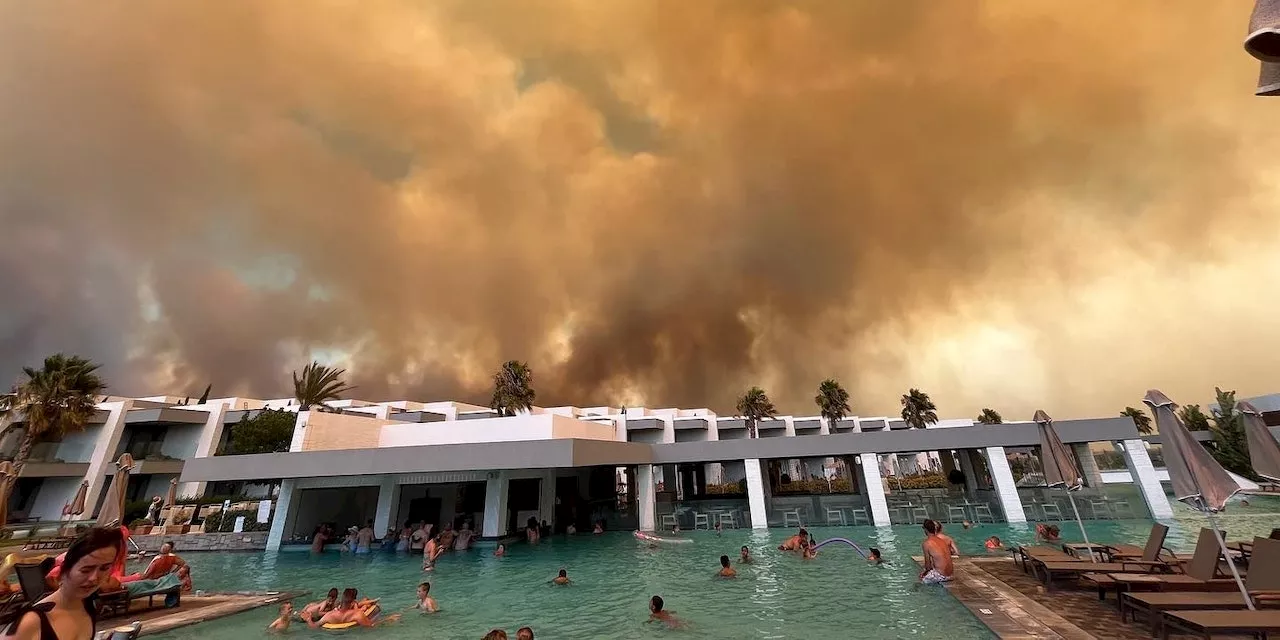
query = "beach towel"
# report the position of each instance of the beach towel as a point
(143, 587)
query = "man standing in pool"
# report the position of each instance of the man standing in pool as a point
(726, 571)
(793, 543)
(937, 556)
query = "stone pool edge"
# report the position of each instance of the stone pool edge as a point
(1002, 609)
(240, 603)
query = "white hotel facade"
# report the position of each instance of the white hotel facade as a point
(635, 467)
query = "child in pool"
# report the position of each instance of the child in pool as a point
(657, 613)
(726, 571)
(425, 601)
(562, 579)
(993, 544)
(500, 551)
(282, 623)
(874, 556)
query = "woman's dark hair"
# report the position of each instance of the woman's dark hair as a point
(92, 540)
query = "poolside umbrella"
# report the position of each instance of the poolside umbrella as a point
(1264, 451)
(1198, 480)
(1269, 79)
(1060, 469)
(77, 503)
(171, 499)
(1263, 41)
(113, 509)
(7, 479)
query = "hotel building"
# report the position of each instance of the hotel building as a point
(633, 467)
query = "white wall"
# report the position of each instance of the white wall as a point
(513, 429)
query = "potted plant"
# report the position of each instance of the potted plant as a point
(140, 527)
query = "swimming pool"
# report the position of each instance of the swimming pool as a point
(836, 595)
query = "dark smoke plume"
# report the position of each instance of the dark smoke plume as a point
(1018, 204)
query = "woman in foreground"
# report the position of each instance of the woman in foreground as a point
(70, 612)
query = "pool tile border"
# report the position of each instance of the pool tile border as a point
(1006, 612)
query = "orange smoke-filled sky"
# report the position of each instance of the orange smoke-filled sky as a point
(1016, 204)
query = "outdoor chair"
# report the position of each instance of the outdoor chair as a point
(954, 512)
(728, 519)
(1263, 585)
(1051, 511)
(918, 513)
(1101, 510)
(983, 511)
(836, 516)
(1118, 506)
(792, 518)
(1201, 573)
(701, 520)
(1029, 508)
(860, 515)
(669, 521)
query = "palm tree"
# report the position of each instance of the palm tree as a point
(755, 406)
(512, 388)
(60, 397)
(832, 401)
(1140, 419)
(318, 384)
(918, 410)
(990, 416)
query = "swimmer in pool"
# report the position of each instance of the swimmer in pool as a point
(806, 551)
(347, 611)
(524, 633)
(793, 543)
(993, 544)
(726, 571)
(874, 556)
(562, 579)
(657, 613)
(282, 623)
(432, 553)
(745, 558)
(500, 551)
(322, 607)
(425, 602)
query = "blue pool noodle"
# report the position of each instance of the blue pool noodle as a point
(844, 540)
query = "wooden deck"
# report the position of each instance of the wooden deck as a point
(197, 609)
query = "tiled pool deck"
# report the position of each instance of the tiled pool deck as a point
(197, 609)
(1015, 606)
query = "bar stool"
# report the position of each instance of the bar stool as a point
(836, 515)
(728, 519)
(701, 520)
(1118, 505)
(1051, 511)
(919, 512)
(669, 521)
(860, 514)
(1100, 509)
(953, 511)
(983, 511)
(790, 517)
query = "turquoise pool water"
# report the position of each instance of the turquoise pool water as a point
(836, 595)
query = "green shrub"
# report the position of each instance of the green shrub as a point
(921, 481)
(214, 523)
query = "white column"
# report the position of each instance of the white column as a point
(1088, 465)
(1144, 476)
(1002, 477)
(547, 497)
(104, 449)
(299, 429)
(388, 500)
(873, 487)
(646, 498)
(495, 505)
(755, 494)
(207, 444)
(286, 502)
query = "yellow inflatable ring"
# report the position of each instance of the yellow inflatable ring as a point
(370, 611)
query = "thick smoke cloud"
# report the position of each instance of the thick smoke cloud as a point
(1009, 204)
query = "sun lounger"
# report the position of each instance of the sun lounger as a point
(1245, 548)
(1049, 570)
(1207, 624)
(1201, 573)
(1038, 553)
(1263, 585)
(118, 602)
(1153, 549)
(57, 543)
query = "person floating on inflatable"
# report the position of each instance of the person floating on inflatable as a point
(349, 613)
